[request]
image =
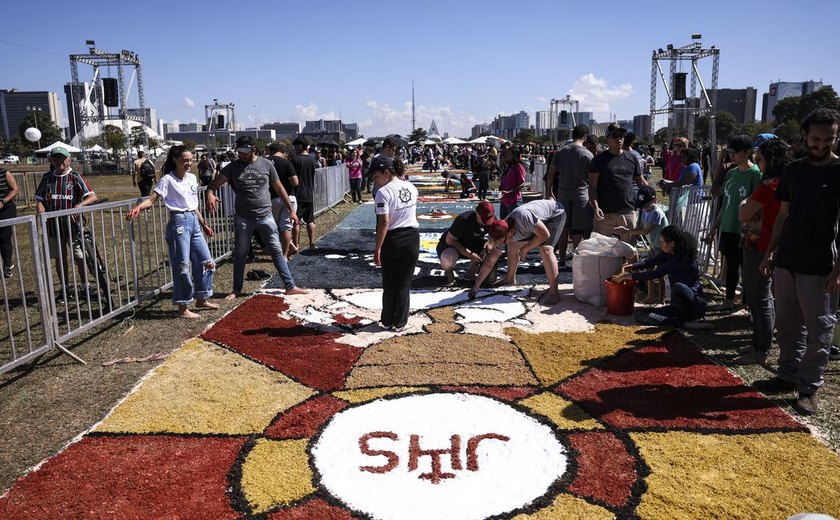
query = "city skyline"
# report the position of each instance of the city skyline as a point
(469, 62)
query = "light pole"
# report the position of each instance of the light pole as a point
(256, 135)
(35, 111)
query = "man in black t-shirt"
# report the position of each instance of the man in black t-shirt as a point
(807, 266)
(305, 167)
(611, 177)
(289, 179)
(465, 238)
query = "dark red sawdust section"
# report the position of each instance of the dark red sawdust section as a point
(311, 510)
(672, 385)
(605, 471)
(505, 393)
(307, 355)
(129, 477)
(341, 319)
(305, 419)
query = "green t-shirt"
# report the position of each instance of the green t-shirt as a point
(738, 186)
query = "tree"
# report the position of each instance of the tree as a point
(798, 108)
(137, 137)
(524, 136)
(190, 144)
(153, 143)
(725, 126)
(418, 135)
(115, 138)
(754, 128)
(50, 133)
(789, 131)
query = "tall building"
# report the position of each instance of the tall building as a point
(641, 126)
(546, 121)
(785, 89)
(740, 102)
(150, 114)
(189, 127)
(322, 125)
(507, 127)
(477, 130)
(283, 130)
(352, 131)
(15, 104)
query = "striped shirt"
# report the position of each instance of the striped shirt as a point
(57, 192)
(4, 184)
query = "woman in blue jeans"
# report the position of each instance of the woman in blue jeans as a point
(677, 260)
(189, 257)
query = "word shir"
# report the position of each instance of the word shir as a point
(415, 452)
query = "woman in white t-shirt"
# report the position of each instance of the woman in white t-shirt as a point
(189, 257)
(397, 239)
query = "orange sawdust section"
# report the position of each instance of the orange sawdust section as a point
(203, 388)
(444, 358)
(772, 475)
(567, 506)
(565, 415)
(554, 356)
(369, 394)
(276, 473)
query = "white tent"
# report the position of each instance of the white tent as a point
(454, 140)
(95, 149)
(479, 140)
(48, 149)
(429, 142)
(357, 142)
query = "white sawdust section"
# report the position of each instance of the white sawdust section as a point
(511, 469)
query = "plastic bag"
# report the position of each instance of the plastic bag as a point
(588, 274)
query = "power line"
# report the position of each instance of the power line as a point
(33, 48)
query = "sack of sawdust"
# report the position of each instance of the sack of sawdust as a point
(588, 274)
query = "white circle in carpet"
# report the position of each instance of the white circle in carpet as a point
(379, 458)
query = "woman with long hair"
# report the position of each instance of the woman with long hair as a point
(678, 260)
(758, 214)
(512, 181)
(189, 257)
(354, 167)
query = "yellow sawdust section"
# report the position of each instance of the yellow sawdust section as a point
(555, 356)
(276, 473)
(564, 414)
(202, 388)
(441, 358)
(442, 314)
(771, 475)
(568, 507)
(369, 394)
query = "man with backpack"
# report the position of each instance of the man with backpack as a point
(143, 175)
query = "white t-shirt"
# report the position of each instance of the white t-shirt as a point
(398, 200)
(178, 194)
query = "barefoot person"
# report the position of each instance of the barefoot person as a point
(189, 256)
(535, 224)
(465, 238)
(251, 175)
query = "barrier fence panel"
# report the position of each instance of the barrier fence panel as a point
(693, 208)
(331, 185)
(27, 184)
(537, 178)
(26, 331)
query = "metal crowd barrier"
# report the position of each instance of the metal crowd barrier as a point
(331, 185)
(693, 208)
(111, 265)
(27, 184)
(537, 178)
(26, 331)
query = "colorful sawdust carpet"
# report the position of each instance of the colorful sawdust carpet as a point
(305, 408)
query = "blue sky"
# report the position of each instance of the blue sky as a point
(470, 61)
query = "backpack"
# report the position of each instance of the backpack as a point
(147, 170)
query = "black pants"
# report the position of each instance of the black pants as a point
(483, 184)
(730, 247)
(9, 211)
(399, 257)
(356, 189)
(145, 186)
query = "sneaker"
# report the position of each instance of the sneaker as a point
(834, 353)
(806, 404)
(699, 325)
(727, 305)
(751, 358)
(774, 385)
(398, 329)
(650, 318)
(7, 271)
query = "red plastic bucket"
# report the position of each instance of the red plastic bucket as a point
(620, 300)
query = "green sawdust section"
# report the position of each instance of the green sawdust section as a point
(554, 356)
(203, 388)
(773, 475)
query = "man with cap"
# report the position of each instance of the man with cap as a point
(289, 179)
(465, 238)
(305, 167)
(538, 223)
(397, 240)
(611, 177)
(251, 176)
(63, 188)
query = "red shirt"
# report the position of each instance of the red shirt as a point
(513, 177)
(765, 195)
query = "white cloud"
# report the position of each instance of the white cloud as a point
(189, 103)
(384, 119)
(595, 95)
(311, 112)
(542, 99)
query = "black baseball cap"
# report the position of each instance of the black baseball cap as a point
(381, 163)
(615, 128)
(644, 196)
(245, 141)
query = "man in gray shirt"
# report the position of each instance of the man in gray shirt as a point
(568, 183)
(250, 178)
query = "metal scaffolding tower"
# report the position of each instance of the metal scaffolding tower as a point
(92, 109)
(220, 113)
(554, 114)
(691, 106)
